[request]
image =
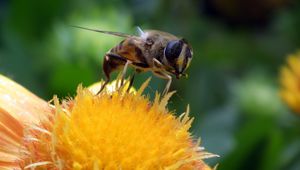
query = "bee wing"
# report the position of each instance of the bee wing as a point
(140, 32)
(119, 34)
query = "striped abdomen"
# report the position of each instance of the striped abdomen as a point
(130, 50)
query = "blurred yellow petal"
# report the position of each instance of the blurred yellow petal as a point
(294, 63)
(290, 82)
(291, 99)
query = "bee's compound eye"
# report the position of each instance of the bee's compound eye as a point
(173, 49)
(188, 53)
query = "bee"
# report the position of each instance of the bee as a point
(160, 52)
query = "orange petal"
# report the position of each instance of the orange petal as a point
(21, 103)
(18, 107)
(11, 133)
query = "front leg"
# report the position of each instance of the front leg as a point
(157, 64)
(167, 88)
(166, 77)
(158, 71)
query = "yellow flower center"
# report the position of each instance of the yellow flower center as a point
(122, 131)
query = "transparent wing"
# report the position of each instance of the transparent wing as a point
(119, 34)
(140, 32)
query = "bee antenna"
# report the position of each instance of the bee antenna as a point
(104, 32)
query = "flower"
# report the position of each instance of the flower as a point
(290, 82)
(112, 130)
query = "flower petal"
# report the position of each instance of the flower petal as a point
(18, 107)
(21, 103)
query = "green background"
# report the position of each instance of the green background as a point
(232, 89)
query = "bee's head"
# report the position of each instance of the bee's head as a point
(178, 55)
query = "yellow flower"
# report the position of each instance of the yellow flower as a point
(290, 82)
(113, 130)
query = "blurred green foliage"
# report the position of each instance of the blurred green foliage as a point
(233, 79)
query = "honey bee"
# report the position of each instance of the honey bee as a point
(160, 52)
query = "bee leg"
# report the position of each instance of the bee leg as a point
(102, 87)
(116, 56)
(107, 69)
(120, 61)
(157, 64)
(111, 62)
(167, 88)
(124, 71)
(164, 76)
(131, 81)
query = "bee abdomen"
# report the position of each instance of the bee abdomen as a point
(140, 55)
(130, 50)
